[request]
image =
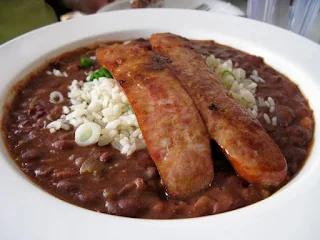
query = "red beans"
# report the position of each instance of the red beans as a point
(56, 112)
(23, 124)
(128, 207)
(63, 144)
(73, 68)
(91, 165)
(68, 186)
(49, 160)
(88, 197)
(252, 194)
(140, 185)
(159, 207)
(224, 202)
(137, 186)
(285, 115)
(43, 171)
(40, 124)
(32, 154)
(306, 122)
(39, 114)
(203, 206)
(256, 61)
(300, 132)
(290, 88)
(68, 135)
(151, 172)
(78, 161)
(295, 156)
(107, 194)
(64, 173)
(105, 157)
(112, 208)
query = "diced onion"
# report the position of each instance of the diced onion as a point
(87, 134)
(102, 102)
(56, 97)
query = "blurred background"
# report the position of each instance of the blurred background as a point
(20, 16)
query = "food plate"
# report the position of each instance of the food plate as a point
(292, 213)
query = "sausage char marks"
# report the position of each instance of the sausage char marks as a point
(171, 125)
(251, 151)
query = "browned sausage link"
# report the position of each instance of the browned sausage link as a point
(170, 123)
(251, 151)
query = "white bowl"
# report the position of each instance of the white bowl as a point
(28, 212)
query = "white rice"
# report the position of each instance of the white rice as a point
(256, 78)
(52, 130)
(255, 72)
(65, 110)
(274, 121)
(254, 113)
(271, 101)
(266, 118)
(57, 73)
(126, 42)
(102, 102)
(243, 89)
(272, 108)
(260, 102)
(267, 104)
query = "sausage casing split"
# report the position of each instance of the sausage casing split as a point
(249, 148)
(171, 125)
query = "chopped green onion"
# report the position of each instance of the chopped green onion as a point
(95, 75)
(225, 72)
(127, 105)
(105, 72)
(86, 62)
(102, 72)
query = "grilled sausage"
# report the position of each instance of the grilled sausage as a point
(171, 125)
(249, 148)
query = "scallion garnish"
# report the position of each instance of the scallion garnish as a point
(102, 72)
(225, 72)
(86, 62)
(105, 72)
